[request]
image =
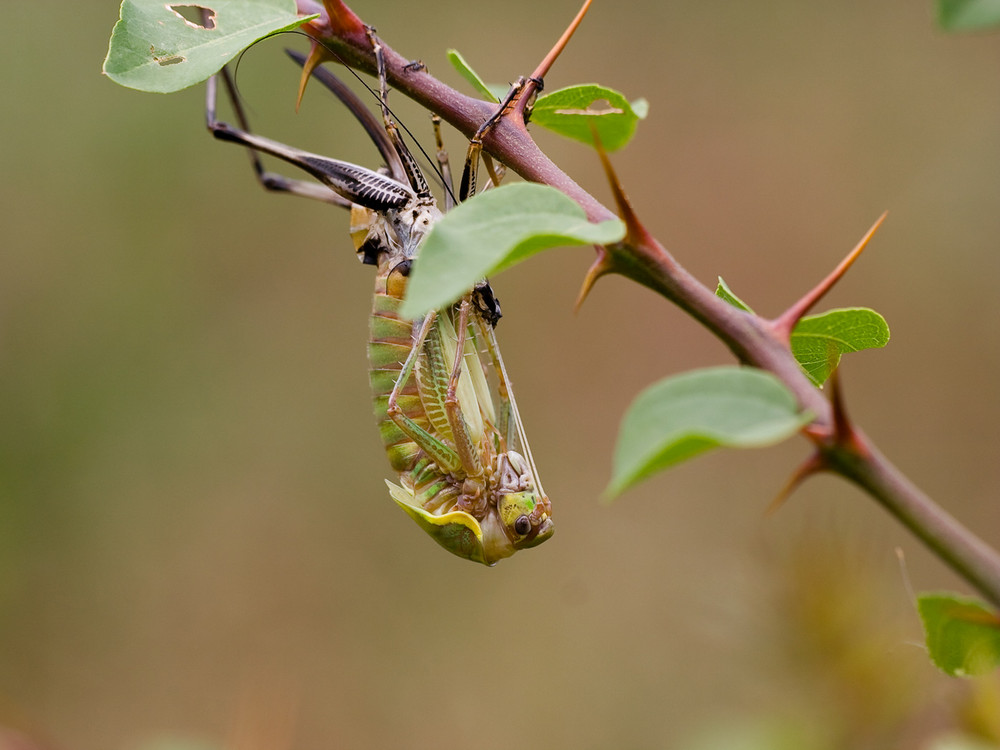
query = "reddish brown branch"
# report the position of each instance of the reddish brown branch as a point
(753, 340)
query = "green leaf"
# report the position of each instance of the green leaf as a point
(818, 341)
(723, 291)
(573, 111)
(963, 634)
(968, 15)
(685, 415)
(492, 232)
(154, 48)
(459, 63)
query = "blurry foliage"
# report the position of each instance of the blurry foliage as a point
(968, 15)
(835, 630)
(191, 485)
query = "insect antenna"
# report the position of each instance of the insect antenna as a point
(361, 113)
(337, 87)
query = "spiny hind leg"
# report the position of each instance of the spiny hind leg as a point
(269, 180)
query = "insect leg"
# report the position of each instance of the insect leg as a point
(416, 177)
(440, 453)
(443, 164)
(269, 180)
(361, 113)
(464, 444)
(469, 173)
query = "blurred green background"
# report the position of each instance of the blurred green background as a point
(195, 538)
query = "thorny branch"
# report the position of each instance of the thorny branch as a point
(840, 446)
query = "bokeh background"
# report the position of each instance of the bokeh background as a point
(197, 548)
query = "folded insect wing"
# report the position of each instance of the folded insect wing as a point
(457, 532)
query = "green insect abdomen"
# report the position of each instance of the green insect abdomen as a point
(390, 342)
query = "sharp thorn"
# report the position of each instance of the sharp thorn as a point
(601, 266)
(534, 83)
(316, 57)
(637, 234)
(812, 465)
(784, 323)
(543, 67)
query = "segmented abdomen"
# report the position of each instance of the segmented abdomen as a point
(390, 342)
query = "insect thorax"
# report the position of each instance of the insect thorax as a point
(391, 237)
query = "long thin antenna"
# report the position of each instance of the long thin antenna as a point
(430, 163)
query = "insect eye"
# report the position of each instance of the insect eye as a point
(522, 525)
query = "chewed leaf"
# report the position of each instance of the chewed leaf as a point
(963, 634)
(641, 108)
(818, 341)
(573, 111)
(459, 63)
(685, 415)
(968, 15)
(723, 291)
(163, 47)
(492, 232)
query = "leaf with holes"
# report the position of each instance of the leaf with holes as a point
(573, 111)
(685, 415)
(495, 231)
(164, 47)
(968, 15)
(963, 634)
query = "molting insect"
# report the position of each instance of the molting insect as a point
(443, 400)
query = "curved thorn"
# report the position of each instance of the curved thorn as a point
(812, 465)
(637, 234)
(543, 67)
(533, 85)
(316, 57)
(600, 267)
(784, 323)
